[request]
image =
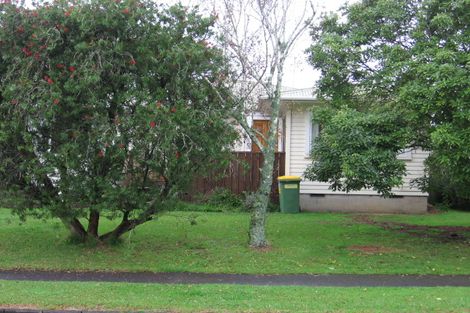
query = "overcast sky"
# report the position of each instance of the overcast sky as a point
(298, 73)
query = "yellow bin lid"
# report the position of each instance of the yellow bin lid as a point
(289, 178)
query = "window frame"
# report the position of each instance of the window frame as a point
(313, 131)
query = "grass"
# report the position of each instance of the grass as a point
(229, 298)
(301, 243)
(450, 218)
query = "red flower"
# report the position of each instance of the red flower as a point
(27, 52)
(173, 110)
(60, 66)
(56, 101)
(48, 80)
(68, 13)
(66, 29)
(42, 47)
(132, 62)
(101, 154)
(178, 154)
(20, 29)
(14, 101)
(35, 14)
(72, 68)
(125, 11)
(37, 56)
(153, 124)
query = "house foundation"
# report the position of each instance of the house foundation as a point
(363, 203)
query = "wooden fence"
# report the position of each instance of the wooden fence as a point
(241, 175)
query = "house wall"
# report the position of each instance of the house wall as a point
(317, 196)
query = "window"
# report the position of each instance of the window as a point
(313, 130)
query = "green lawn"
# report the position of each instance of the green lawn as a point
(301, 243)
(451, 218)
(230, 298)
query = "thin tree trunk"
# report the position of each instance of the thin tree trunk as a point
(258, 218)
(93, 223)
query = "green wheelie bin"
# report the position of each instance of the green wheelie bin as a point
(289, 187)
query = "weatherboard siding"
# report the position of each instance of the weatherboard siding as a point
(297, 160)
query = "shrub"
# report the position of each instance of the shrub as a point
(225, 198)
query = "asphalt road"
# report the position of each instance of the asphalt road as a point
(332, 280)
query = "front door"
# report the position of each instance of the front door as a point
(261, 126)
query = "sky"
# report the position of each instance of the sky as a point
(298, 73)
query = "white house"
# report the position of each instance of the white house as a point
(297, 135)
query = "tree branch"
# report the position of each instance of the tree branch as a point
(252, 133)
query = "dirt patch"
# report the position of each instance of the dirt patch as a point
(373, 249)
(443, 233)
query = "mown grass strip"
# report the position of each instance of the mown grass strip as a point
(229, 298)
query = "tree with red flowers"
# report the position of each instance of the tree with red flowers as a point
(106, 110)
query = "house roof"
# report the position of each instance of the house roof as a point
(297, 94)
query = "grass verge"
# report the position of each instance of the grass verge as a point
(217, 243)
(229, 298)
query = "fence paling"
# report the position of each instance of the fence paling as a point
(241, 175)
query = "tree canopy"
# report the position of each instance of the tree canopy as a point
(394, 75)
(107, 108)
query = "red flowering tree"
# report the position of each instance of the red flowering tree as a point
(106, 109)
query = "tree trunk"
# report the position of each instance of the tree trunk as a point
(258, 217)
(76, 229)
(125, 226)
(260, 205)
(93, 222)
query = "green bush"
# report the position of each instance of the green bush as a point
(221, 200)
(273, 207)
(225, 198)
(444, 192)
(197, 207)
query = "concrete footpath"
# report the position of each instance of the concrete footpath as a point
(332, 280)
